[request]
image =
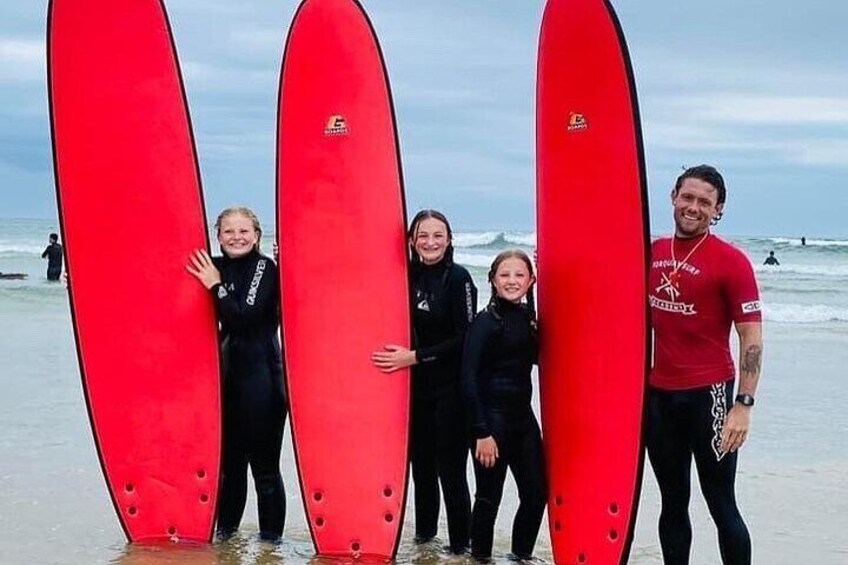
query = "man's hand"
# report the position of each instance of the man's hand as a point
(736, 428)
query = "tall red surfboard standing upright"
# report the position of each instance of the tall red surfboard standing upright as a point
(344, 283)
(593, 254)
(131, 211)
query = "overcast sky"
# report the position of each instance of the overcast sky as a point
(757, 87)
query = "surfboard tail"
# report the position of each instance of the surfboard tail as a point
(126, 172)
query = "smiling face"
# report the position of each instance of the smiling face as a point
(695, 206)
(430, 240)
(237, 235)
(512, 279)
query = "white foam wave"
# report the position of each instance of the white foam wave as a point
(471, 260)
(804, 313)
(494, 238)
(810, 270)
(18, 248)
(523, 239)
(472, 239)
(796, 242)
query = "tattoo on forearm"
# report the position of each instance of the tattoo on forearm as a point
(752, 360)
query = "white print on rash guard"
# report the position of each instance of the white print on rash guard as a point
(672, 291)
(254, 284)
(718, 393)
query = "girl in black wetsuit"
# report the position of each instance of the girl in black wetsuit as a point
(444, 300)
(500, 350)
(245, 286)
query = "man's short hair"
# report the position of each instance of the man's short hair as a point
(706, 173)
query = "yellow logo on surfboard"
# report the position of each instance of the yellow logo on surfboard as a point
(577, 122)
(336, 125)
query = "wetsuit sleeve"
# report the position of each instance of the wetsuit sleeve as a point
(479, 335)
(46, 252)
(740, 288)
(463, 305)
(261, 297)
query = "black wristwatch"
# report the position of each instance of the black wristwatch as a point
(745, 399)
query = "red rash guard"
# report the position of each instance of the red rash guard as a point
(692, 311)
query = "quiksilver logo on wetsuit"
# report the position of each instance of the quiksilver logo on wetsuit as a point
(254, 284)
(469, 302)
(577, 122)
(336, 125)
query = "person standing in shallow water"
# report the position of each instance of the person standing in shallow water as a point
(700, 287)
(245, 286)
(53, 254)
(444, 301)
(501, 348)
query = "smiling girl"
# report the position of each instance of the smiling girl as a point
(444, 301)
(245, 286)
(500, 349)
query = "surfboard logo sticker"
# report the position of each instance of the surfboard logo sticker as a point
(577, 122)
(336, 125)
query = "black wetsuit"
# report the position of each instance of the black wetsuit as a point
(683, 424)
(254, 395)
(53, 253)
(444, 300)
(500, 350)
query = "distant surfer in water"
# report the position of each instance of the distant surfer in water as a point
(500, 350)
(444, 301)
(771, 259)
(245, 286)
(53, 254)
(699, 287)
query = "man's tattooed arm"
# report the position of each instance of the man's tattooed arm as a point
(751, 356)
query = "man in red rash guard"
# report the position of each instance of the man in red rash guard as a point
(699, 287)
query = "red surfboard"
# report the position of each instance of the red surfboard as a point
(131, 211)
(344, 282)
(593, 256)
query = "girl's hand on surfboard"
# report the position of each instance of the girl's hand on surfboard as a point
(201, 266)
(736, 427)
(393, 358)
(487, 452)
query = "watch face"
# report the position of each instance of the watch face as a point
(745, 399)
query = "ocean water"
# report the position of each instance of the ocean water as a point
(793, 475)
